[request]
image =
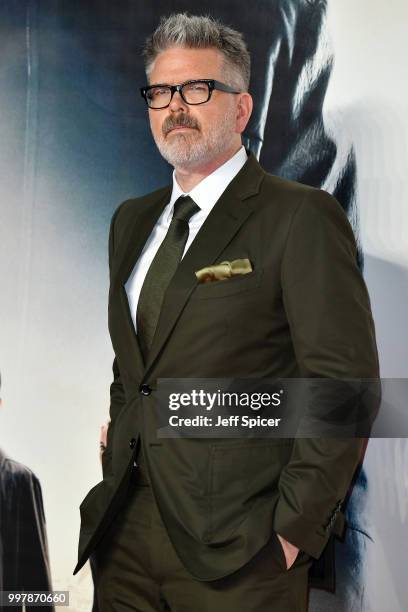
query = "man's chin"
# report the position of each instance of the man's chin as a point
(183, 156)
(180, 161)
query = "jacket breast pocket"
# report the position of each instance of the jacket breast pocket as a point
(229, 286)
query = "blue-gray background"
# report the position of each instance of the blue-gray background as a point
(75, 142)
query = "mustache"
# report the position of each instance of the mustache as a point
(171, 122)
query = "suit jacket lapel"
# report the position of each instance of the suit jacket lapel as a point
(223, 222)
(145, 219)
(130, 248)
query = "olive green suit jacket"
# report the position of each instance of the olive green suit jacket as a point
(303, 311)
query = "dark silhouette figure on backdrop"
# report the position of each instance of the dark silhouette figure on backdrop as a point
(24, 562)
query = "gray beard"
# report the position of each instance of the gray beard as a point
(185, 151)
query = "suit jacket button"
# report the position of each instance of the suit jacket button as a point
(145, 389)
(132, 442)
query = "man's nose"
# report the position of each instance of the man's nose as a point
(177, 103)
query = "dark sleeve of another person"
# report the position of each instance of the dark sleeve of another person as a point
(34, 569)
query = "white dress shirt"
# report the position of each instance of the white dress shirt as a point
(205, 195)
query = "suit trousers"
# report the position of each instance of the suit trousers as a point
(136, 569)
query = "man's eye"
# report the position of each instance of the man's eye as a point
(195, 87)
(160, 91)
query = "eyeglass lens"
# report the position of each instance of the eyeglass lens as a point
(193, 93)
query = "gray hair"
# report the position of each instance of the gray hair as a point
(201, 32)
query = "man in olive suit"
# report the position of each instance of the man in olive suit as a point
(207, 524)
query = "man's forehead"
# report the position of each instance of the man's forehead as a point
(181, 63)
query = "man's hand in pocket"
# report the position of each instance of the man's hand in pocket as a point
(290, 551)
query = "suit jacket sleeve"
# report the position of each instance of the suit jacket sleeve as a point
(328, 310)
(34, 570)
(117, 393)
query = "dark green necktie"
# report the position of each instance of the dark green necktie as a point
(161, 271)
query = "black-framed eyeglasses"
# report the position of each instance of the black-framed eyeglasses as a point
(197, 91)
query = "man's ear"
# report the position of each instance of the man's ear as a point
(244, 111)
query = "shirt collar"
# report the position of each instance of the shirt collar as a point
(209, 190)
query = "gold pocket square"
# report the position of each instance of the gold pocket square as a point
(223, 270)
